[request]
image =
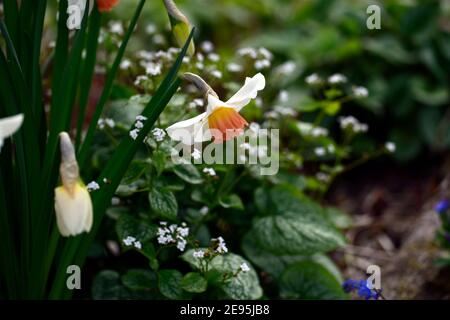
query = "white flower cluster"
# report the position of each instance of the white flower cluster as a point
(207, 46)
(106, 122)
(321, 176)
(244, 267)
(137, 126)
(92, 186)
(125, 64)
(321, 151)
(151, 68)
(390, 146)
(286, 68)
(360, 92)
(262, 56)
(132, 241)
(353, 124)
(209, 171)
(221, 246)
(199, 254)
(313, 79)
(337, 78)
(173, 234)
(158, 134)
(234, 67)
(116, 27)
(140, 79)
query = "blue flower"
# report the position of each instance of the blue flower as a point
(361, 288)
(442, 206)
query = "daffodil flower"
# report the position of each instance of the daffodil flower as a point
(8, 126)
(73, 205)
(221, 121)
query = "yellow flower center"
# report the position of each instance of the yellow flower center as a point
(225, 124)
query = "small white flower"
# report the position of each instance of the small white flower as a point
(337, 78)
(92, 186)
(262, 64)
(216, 73)
(196, 154)
(198, 102)
(234, 67)
(150, 28)
(390, 146)
(287, 68)
(319, 132)
(141, 118)
(200, 57)
(116, 27)
(134, 134)
(331, 148)
(313, 79)
(266, 53)
(248, 52)
(221, 246)
(207, 46)
(283, 96)
(213, 57)
(163, 223)
(183, 231)
(199, 65)
(152, 69)
(199, 254)
(115, 201)
(159, 134)
(128, 241)
(204, 210)
(186, 59)
(209, 171)
(140, 79)
(110, 122)
(147, 55)
(181, 244)
(139, 125)
(360, 92)
(244, 267)
(158, 39)
(320, 151)
(138, 245)
(125, 64)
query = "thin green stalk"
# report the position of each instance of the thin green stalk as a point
(88, 70)
(85, 147)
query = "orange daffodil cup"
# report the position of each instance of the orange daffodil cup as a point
(221, 121)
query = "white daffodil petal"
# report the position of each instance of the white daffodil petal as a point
(10, 125)
(248, 92)
(188, 129)
(73, 211)
(214, 103)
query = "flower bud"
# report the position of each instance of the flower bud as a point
(181, 27)
(73, 205)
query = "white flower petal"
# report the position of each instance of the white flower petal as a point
(73, 211)
(247, 92)
(10, 125)
(191, 130)
(214, 103)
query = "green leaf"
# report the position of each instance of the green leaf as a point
(140, 279)
(170, 284)
(331, 108)
(159, 161)
(128, 225)
(231, 201)
(296, 234)
(189, 173)
(194, 282)
(310, 280)
(107, 286)
(164, 203)
(245, 286)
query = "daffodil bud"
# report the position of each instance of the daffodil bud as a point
(181, 27)
(200, 84)
(8, 126)
(73, 205)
